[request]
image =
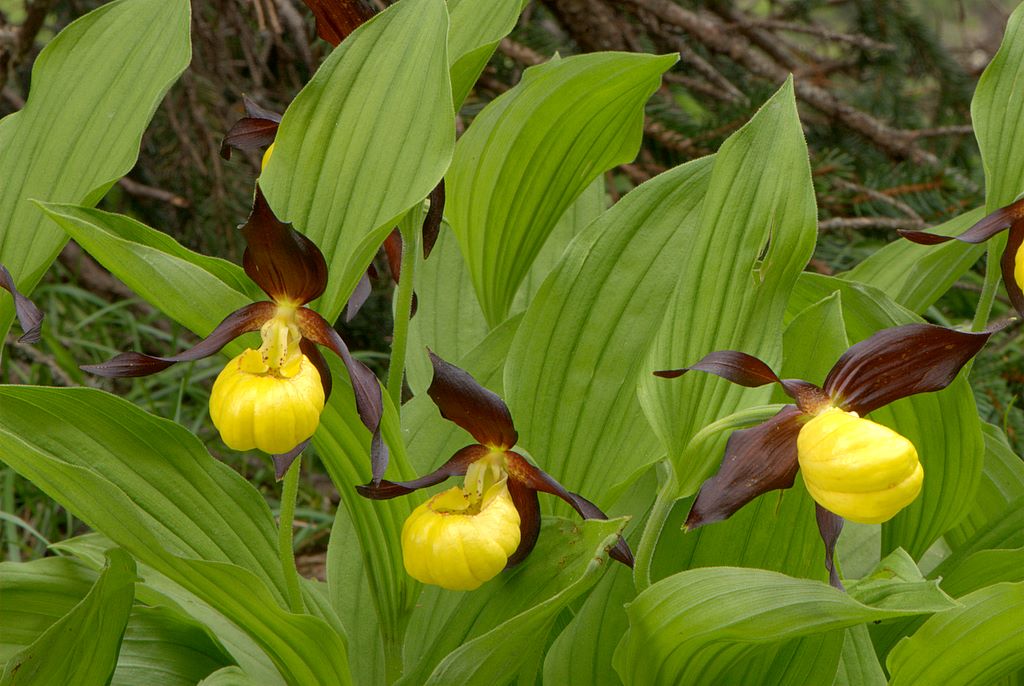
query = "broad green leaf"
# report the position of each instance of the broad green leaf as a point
(974, 644)
(582, 652)
(693, 626)
(1002, 482)
(571, 375)
(814, 339)
(532, 151)
(997, 112)
(161, 646)
(896, 583)
(82, 646)
(858, 664)
(811, 659)
(943, 426)
(229, 676)
(732, 293)
(149, 486)
(449, 320)
(916, 276)
(80, 129)
(366, 139)
(156, 589)
(476, 28)
(484, 637)
(158, 268)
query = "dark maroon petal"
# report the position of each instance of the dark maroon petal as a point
(830, 525)
(358, 297)
(465, 402)
(1008, 264)
(522, 472)
(525, 500)
(739, 368)
(980, 232)
(365, 386)
(432, 222)
(29, 316)
(455, 466)
(255, 111)
(131, 364)
(256, 130)
(284, 263)
(757, 460)
(310, 350)
(284, 461)
(335, 19)
(899, 362)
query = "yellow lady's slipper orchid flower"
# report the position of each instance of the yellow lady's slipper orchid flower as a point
(853, 468)
(463, 537)
(271, 398)
(860, 470)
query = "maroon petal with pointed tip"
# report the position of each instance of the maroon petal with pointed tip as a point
(980, 232)
(465, 402)
(455, 466)
(284, 461)
(830, 525)
(525, 500)
(432, 222)
(132, 364)
(1008, 265)
(393, 253)
(899, 362)
(523, 472)
(757, 460)
(358, 298)
(369, 401)
(284, 263)
(30, 317)
(739, 368)
(335, 19)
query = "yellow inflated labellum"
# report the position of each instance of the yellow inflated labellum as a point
(458, 540)
(856, 468)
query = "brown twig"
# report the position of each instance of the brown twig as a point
(867, 223)
(880, 196)
(143, 191)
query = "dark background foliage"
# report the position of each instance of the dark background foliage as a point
(884, 88)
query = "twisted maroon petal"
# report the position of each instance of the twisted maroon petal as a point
(525, 474)
(830, 525)
(30, 317)
(455, 466)
(335, 19)
(980, 232)
(525, 500)
(132, 364)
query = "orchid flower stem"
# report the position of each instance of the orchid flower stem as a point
(990, 285)
(660, 511)
(403, 310)
(285, 549)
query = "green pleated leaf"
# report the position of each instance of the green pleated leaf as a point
(82, 646)
(1002, 482)
(229, 676)
(943, 426)
(485, 636)
(731, 294)
(81, 126)
(156, 589)
(977, 643)
(916, 276)
(476, 28)
(158, 268)
(571, 374)
(582, 652)
(148, 485)
(997, 112)
(695, 625)
(161, 646)
(366, 139)
(858, 664)
(896, 583)
(809, 659)
(532, 151)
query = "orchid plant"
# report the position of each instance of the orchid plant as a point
(522, 291)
